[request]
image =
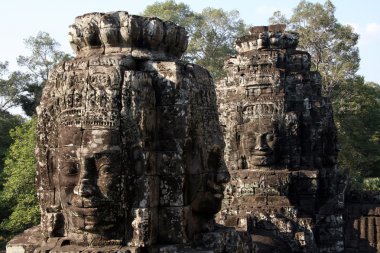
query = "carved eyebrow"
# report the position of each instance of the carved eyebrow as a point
(106, 157)
(260, 132)
(68, 156)
(107, 153)
(73, 165)
(103, 159)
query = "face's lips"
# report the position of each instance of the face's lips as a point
(218, 195)
(262, 160)
(85, 207)
(90, 220)
(262, 153)
(216, 190)
(84, 211)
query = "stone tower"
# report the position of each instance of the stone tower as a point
(130, 152)
(281, 147)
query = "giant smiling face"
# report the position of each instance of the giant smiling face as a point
(259, 142)
(90, 181)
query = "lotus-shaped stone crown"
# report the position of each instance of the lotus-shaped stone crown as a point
(267, 37)
(114, 32)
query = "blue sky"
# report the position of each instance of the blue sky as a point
(21, 19)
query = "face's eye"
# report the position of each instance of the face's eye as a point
(102, 160)
(107, 163)
(252, 138)
(104, 163)
(71, 169)
(270, 137)
(104, 169)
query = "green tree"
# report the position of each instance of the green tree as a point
(357, 116)
(334, 51)
(278, 18)
(7, 122)
(372, 183)
(333, 46)
(212, 32)
(11, 85)
(214, 39)
(178, 13)
(9, 91)
(18, 197)
(44, 55)
(18, 201)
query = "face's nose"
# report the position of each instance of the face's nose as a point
(261, 142)
(86, 186)
(223, 176)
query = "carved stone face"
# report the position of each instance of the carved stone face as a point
(90, 179)
(209, 202)
(206, 184)
(259, 142)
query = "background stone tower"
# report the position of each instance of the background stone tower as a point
(281, 147)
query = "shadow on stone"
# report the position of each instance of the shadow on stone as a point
(129, 148)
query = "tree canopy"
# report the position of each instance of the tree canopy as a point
(23, 87)
(334, 51)
(9, 90)
(214, 39)
(357, 116)
(7, 122)
(212, 32)
(178, 13)
(333, 46)
(18, 199)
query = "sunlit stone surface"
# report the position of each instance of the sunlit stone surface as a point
(281, 147)
(130, 152)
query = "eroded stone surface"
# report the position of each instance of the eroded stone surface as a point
(130, 152)
(362, 222)
(115, 32)
(281, 147)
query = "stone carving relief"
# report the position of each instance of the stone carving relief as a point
(361, 224)
(136, 153)
(281, 145)
(130, 152)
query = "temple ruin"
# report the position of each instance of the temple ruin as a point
(139, 152)
(281, 150)
(130, 152)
